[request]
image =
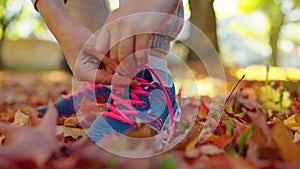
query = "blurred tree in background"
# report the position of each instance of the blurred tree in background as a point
(243, 32)
(250, 32)
(278, 13)
(19, 20)
(203, 17)
(7, 16)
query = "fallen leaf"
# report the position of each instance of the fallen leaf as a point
(249, 98)
(288, 150)
(203, 110)
(75, 133)
(36, 144)
(21, 119)
(261, 131)
(291, 123)
(7, 116)
(143, 131)
(221, 141)
(296, 109)
(210, 150)
(71, 121)
(237, 162)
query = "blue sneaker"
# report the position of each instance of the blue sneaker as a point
(66, 107)
(150, 102)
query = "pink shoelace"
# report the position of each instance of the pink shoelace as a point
(86, 87)
(122, 115)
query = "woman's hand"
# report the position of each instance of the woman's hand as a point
(91, 68)
(127, 35)
(75, 41)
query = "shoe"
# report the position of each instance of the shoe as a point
(66, 107)
(150, 102)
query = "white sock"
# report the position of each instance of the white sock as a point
(161, 68)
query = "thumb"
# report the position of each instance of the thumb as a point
(106, 78)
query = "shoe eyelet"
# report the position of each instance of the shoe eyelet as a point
(144, 104)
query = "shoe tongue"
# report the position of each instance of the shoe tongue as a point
(145, 74)
(122, 92)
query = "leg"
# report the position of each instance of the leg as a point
(90, 14)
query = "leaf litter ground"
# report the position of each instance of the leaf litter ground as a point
(259, 128)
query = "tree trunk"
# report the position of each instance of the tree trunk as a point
(203, 17)
(1, 47)
(274, 37)
(1, 43)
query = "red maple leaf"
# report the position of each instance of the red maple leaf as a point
(296, 109)
(33, 145)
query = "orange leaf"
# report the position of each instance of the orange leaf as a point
(33, 144)
(288, 150)
(296, 109)
(211, 150)
(7, 116)
(220, 141)
(203, 110)
(261, 131)
(143, 131)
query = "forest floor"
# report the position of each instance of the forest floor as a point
(258, 127)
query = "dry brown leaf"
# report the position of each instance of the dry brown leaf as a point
(69, 131)
(25, 144)
(210, 150)
(21, 119)
(203, 110)
(288, 150)
(296, 109)
(7, 116)
(261, 131)
(143, 131)
(237, 162)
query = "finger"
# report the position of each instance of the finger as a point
(142, 47)
(106, 78)
(125, 56)
(89, 48)
(113, 50)
(125, 48)
(128, 67)
(49, 121)
(109, 63)
(89, 60)
(102, 43)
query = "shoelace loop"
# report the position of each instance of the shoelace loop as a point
(87, 86)
(122, 115)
